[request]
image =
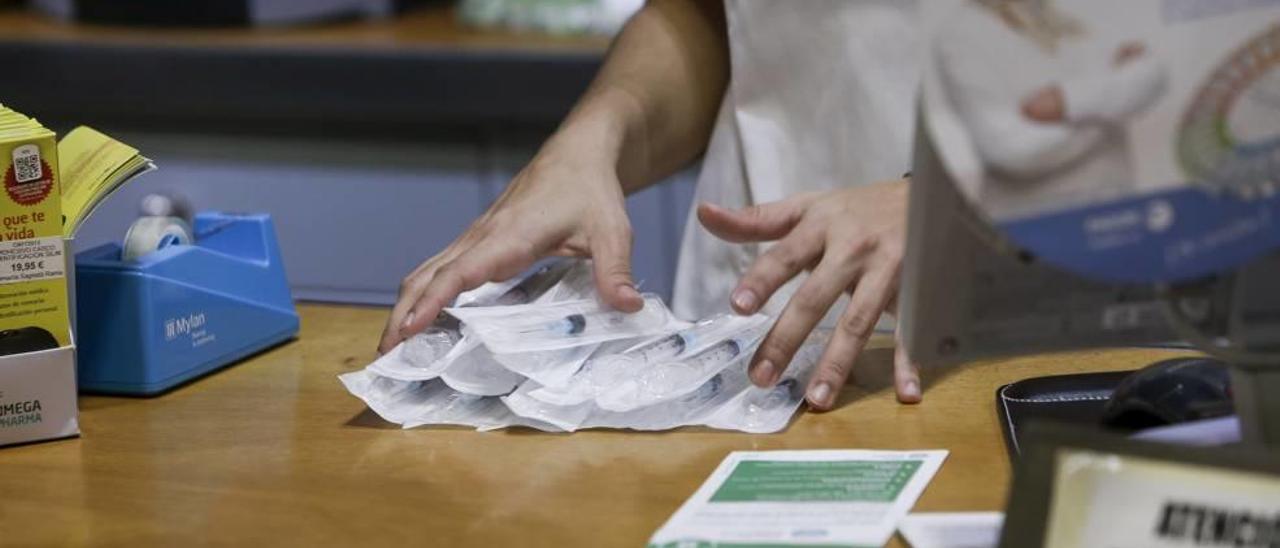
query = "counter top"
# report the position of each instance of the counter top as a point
(274, 451)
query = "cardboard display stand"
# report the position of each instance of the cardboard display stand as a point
(38, 389)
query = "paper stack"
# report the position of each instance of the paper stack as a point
(93, 166)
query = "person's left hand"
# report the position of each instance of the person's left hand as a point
(852, 240)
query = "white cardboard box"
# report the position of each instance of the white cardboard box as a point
(38, 389)
(38, 396)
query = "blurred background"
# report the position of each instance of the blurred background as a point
(374, 131)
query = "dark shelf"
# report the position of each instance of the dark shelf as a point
(366, 80)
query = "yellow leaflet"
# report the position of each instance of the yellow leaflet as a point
(93, 166)
(33, 288)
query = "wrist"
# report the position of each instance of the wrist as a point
(606, 128)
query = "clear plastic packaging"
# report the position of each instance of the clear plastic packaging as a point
(575, 281)
(691, 409)
(685, 410)
(731, 342)
(484, 413)
(764, 410)
(529, 288)
(491, 293)
(669, 346)
(583, 385)
(557, 281)
(554, 368)
(550, 367)
(606, 370)
(476, 372)
(418, 403)
(716, 344)
(568, 365)
(441, 405)
(549, 326)
(408, 361)
(429, 354)
(393, 400)
(727, 400)
(425, 349)
(503, 418)
(566, 418)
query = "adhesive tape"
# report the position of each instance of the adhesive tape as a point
(149, 234)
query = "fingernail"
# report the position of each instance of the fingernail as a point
(744, 300)
(408, 320)
(911, 389)
(764, 373)
(629, 292)
(820, 395)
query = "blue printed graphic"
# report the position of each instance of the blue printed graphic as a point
(1167, 236)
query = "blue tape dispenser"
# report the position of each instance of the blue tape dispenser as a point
(164, 309)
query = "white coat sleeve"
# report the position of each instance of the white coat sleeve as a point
(1116, 95)
(1007, 141)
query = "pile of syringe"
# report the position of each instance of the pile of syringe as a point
(542, 352)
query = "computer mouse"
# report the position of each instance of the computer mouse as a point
(1169, 392)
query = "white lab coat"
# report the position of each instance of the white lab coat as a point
(987, 69)
(822, 95)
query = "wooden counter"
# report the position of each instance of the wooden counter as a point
(274, 451)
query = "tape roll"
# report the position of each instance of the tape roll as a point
(148, 234)
(166, 204)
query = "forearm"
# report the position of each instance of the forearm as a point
(651, 108)
(1004, 137)
(1026, 149)
(1116, 95)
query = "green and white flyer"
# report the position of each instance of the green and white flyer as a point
(844, 498)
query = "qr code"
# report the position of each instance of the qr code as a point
(26, 164)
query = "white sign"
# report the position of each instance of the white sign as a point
(1104, 501)
(802, 498)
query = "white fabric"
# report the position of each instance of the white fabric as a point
(822, 95)
(1117, 95)
(987, 70)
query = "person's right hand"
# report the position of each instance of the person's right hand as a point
(560, 204)
(1128, 52)
(1046, 105)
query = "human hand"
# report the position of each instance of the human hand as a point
(852, 240)
(1046, 105)
(1128, 52)
(560, 204)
